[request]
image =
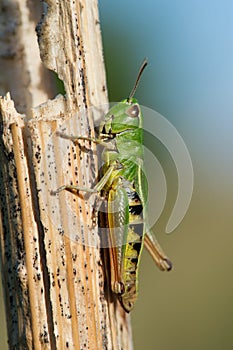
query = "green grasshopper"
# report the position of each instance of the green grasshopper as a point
(124, 186)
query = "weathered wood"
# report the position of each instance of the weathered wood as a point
(21, 70)
(53, 273)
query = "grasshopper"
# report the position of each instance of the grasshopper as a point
(124, 186)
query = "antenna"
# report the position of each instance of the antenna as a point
(143, 66)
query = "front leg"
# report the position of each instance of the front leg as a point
(75, 139)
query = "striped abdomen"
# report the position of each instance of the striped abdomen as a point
(132, 251)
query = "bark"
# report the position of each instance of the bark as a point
(56, 292)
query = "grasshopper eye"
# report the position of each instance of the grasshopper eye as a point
(133, 111)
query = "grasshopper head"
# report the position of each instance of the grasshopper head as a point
(125, 115)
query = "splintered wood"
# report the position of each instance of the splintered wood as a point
(54, 279)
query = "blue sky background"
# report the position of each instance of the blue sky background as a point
(189, 80)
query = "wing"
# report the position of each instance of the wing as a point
(118, 220)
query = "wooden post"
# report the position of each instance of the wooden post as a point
(53, 275)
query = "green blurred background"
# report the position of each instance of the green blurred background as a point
(189, 80)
